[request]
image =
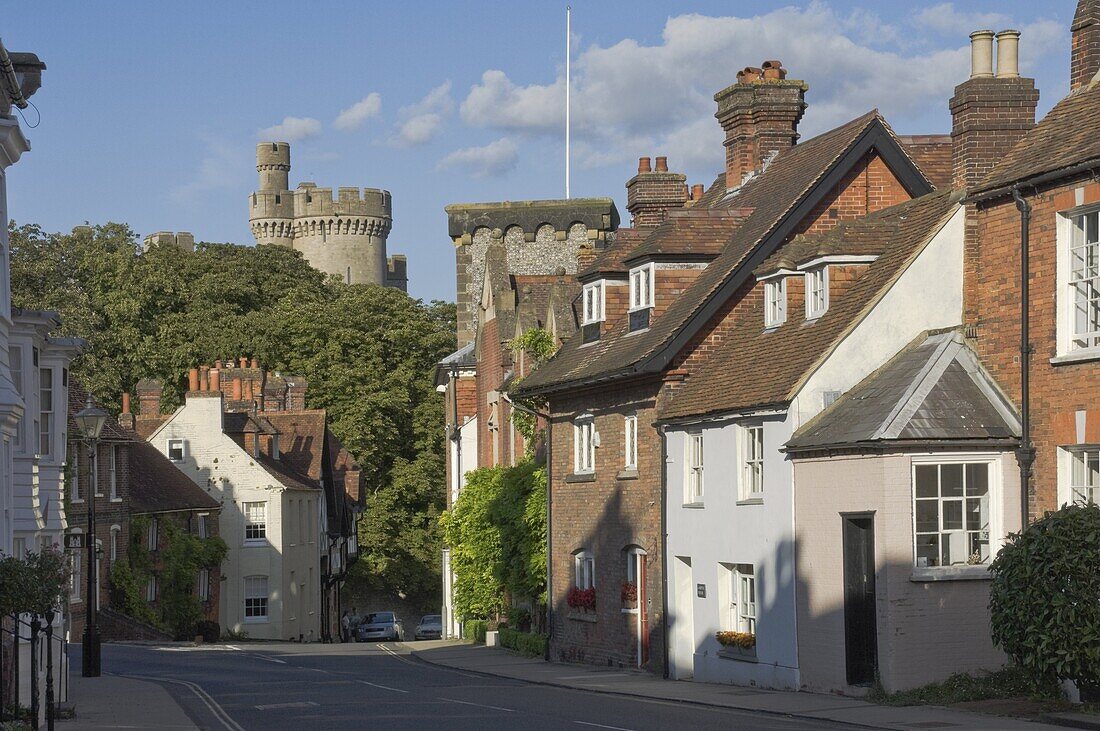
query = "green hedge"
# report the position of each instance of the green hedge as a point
(524, 642)
(475, 629)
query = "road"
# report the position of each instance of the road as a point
(381, 686)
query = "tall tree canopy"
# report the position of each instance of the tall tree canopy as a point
(368, 352)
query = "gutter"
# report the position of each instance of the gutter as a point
(1009, 190)
(880, 447)
(15, 90)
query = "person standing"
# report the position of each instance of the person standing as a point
(345, 626)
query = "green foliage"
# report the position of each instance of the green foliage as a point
(369, 353)
(34, 584)
(1043, 599)
(475, 629)
(128, 593)
(1010, 682)
(497, 534)
(524, 642)
(538, 345)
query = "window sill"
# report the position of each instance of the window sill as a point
(255, 543)
(581, 477)
(77, 501)
(949, 573)
(693, 506)
(629, 610)
(738, 653)
(255, 620)
(1080, 356)
(627, 475)
(116, 500)
(751, 501)
(582, 616)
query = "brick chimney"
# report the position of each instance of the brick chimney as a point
(989, 113)
(760, 115)
(651, 194)
(1085, 54)
(296, 393)
(126, 418)
(149, 393)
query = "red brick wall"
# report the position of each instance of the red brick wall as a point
(870, 186)
(992, 295)
(668, 285)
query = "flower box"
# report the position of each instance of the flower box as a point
(733, 652)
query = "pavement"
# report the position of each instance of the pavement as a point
(113, 702)
(811, 706)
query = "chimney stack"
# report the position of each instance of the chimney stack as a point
(990, 113)
(760, 115)
(126, 419)
(651, 194)
(149, 392)
(1085, 53)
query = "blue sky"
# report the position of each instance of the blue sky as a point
(150, 111)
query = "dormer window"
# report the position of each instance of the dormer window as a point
(775, 302)
(641, 296)
(593, 302)
(817, 292)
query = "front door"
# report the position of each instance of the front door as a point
(860, 628)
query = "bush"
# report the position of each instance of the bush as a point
(210, 630)
(475, 629)
(519, 618)
(1010, 682)
(523, 642)
(1043, 598)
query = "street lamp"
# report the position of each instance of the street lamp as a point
(91, 420)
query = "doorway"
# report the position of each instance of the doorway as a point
(682, 657)
(860, 625)
(636, 575)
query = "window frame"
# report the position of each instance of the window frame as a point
(116, 530)
(17, 378)
(1066, 293)
(202, 526)
(995, 537)
(744, 576)
(152, 535)
(1072, 483)
(584, 445)
(46, 392)
(76, 563)
(258, 528)
(112, 471)
(630, 442)
(593, 297)
(203, 588)
(694, 459)
(182, 443)
(259, 611)
(584, 569)
(817, 301)
(151, 588)
(750, 484)
(76, 497)
(775, 302)
(639, 276)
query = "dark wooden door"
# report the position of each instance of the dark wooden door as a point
(860, 633)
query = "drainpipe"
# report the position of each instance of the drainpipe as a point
(454, 433)
(1025, 454)
(664, 541)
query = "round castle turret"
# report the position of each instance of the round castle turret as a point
(345, 235)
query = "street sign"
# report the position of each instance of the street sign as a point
(74, 541)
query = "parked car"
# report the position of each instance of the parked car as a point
(430, 627)
(380, 626)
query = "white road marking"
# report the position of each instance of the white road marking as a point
(600, 725)
(383, 687)
(295, 704)
(592, 675)
(266, 657)
(479, 705)
(203, 696)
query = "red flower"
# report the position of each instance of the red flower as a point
(629, 592)
(578, 598)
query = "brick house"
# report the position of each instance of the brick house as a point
(134, 482)
(688, 277)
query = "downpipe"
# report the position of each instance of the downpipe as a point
(1025, 454)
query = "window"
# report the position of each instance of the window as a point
(151, 589)
(176, 450)
(74, 476)
(593, 302)
(255, 598)
(775, 302)
(112, 470)
(630, 442)
(46, 416)
(746, 599)
(817, 292)
(302, 522)
(16, 354)
(154, 530)
(584, 566)
(19, 548)
(114, 543)
(203, 589)
(255, 521)
(693, 492)
(1084, 282)
(203, 528)
(584, 445)
(76, 579)
(752, 462)
(951, 514)
(1085, 475)
(641, 287)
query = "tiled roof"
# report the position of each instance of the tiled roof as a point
(609, 260)
(783, 189)
(692, 232)
(933, 390)
(1067, 136)
(301, 439)
(286, 474)
(933, 155)
(157, 485)
(78, 399)
(754, 367)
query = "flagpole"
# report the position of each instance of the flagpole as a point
(568, 41)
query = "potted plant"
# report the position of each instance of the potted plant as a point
(629, 595)
(582, 601)
(737, 644)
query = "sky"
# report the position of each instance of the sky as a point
(149, 113)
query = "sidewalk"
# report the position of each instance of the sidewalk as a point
(494, 661)
(113, 702)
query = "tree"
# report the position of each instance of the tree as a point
(1045, 597)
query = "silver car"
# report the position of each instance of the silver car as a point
(430, 627)
(380, 626)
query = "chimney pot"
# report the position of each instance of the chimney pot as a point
(662, 164)
(981, 54)
(238, 389)
(218, 364)
(215, 379)
(697, 191)
(749, 75)
(1008, 54)
(255, 362)
(244, 362)
(204, 378)
(774, 70)
(643, 165)
(193, 379)
(126, 402)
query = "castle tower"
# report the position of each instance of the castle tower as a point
(343, 235)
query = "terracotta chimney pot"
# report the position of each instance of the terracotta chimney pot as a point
(697, 191)
(238, 389)
(204, 378)
(255, 362)
(774, 70)
(126, 402)
(662, 164)
(193, 379)
(215, 379)
(218, 364)
(643, 165)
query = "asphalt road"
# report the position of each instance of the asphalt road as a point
(380, 686)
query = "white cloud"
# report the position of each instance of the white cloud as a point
(224, 166)
(358, 113)
(944, 18)
(291, 129)
(631, 99)
(421, 122)
(488, 161)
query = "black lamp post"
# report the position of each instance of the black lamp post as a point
(91, 420)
